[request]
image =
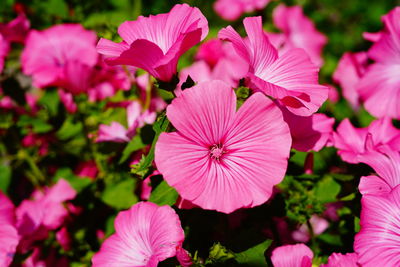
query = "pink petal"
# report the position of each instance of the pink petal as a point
(309, 133)
(298, 255)
(387, 165)
(342, 260)
(348, 73)
(114, 132)
(51, 49)
(7, 215)
(380, 90)
(349, 141)
(145, 235)
(387, 48)
(300, 31)
(378, 241)
(205, 113)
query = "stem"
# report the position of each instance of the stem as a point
(37, 177)
(149, 88)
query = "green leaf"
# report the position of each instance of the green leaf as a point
(50, 100)
(357, 224)
(330, 239)
(142, 168)
(6, 120)
(134, 145)
(164, 194)
(78, 183)
(348, 197)
(254, 256)
(69, 129)
(5, 177)
(326, 190)
(218, 253)
(37, 124)
(120, 195)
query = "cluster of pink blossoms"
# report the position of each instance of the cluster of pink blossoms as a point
(220, 156)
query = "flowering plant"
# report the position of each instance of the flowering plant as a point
(202, 133)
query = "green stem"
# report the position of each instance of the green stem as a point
(37, 177)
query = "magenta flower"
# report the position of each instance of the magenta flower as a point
(292, 78)
(44, 212)
(233, 9)
(309, 133)
(380, 86)
(4, 49)
(351, 141)
(116, 132)
(48, 53)
(318, 224)
(342, 260)
(221, 159)
(348, 73)
(16, 30)
(156, 43)
(377, 243)
(8, 234)
(298, 255)
(145, 235)
(386, 164)
(299, 32)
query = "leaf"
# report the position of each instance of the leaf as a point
(37, 124)
(164, 194)
(50, 100)
(357, 224)
(254, 256)
(5, 177)
(120, 195)
(330, 239)
(218, 253)
(326, 190)
(6, 120)
(142, 168)
(134, 145)
(69, 129)
(78, 183)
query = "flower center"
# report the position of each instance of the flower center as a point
(216, 151)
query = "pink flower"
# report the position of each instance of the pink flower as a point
(115, 132)
(318, 224)
(64, 238)
(348, 73)
(299, 32)
(68, 101)
(386, 164)
(351, 141)
(43, 258)
(233, 9)
(43, 213)
(221, 159)
(49, 53)
(380, 86)
(8, 234)
(145, 235)
(377, 243)
(309, 133)
(342, 260)
(100, 81)
(291, 78)
(4, 49)
(87, 169)
(156, 43)
(298, 255)
(16, 30)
